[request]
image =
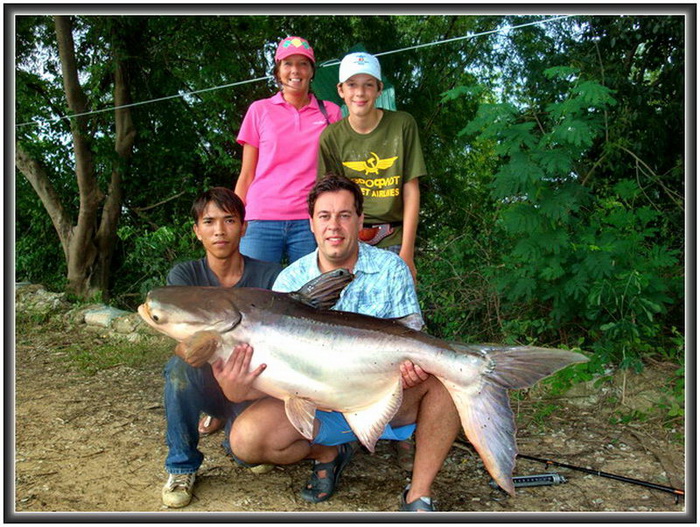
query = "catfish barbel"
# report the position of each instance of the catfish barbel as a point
(318, 358)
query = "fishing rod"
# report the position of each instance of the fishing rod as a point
(679, 493)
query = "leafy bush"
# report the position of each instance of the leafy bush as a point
(148, 257)
(584, 263)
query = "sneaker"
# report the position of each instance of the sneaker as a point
(177, 492)
(422, 504)
(261, 469)
(255, 469)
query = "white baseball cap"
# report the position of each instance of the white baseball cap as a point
(360, 62)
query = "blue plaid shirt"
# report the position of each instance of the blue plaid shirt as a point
(383, 286)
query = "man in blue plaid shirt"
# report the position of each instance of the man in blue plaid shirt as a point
(383, 287)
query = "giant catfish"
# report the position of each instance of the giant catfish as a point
(318, 358)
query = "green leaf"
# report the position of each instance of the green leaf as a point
(595, 94)
(574, 132)
(561, 72)
(627, 189)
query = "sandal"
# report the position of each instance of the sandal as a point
(405, 452)
(422, 504)
(320, 488)
(208, 425)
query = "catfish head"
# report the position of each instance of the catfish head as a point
(182, 311)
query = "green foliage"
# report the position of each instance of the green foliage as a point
(36, 261)
(542, 413)
(623, 417)
(456, 298)
(148, 256)
(673, 404)
(582, 261)
(30, 319)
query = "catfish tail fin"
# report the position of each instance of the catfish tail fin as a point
(489, 425)
(484, 408)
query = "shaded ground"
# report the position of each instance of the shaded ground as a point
(86, 443)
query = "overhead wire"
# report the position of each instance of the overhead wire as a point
(327, 63)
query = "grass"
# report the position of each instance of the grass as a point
(87, 350)
(97, 357)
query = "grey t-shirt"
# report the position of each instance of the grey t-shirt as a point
(256, 273)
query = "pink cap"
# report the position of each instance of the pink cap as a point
(294, 46)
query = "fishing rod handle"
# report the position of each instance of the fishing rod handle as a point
(535, 480)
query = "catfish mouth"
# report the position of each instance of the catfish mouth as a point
(144, 312)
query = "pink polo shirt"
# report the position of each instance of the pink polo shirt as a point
(287, 143)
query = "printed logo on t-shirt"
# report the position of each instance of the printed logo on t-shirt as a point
(380, 187)
(372, 165)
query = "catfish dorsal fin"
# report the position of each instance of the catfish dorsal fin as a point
(412, 321)
(323, 291)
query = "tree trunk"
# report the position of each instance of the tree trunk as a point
(124, 142)
(36, 175)
(89, 244)
(82, 251)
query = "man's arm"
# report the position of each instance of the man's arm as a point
(290, 279)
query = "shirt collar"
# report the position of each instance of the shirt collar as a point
(365, 264)
(279, 99)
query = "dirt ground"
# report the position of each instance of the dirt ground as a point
(94, 443)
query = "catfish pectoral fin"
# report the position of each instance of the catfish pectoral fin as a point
(201, 346)
(301, 413)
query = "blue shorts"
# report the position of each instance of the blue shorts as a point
(334, 430)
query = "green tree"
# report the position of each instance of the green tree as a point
(88, 242)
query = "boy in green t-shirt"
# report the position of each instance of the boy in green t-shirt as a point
(380, 151)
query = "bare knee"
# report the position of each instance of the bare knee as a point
(250, 431)
(245, 439)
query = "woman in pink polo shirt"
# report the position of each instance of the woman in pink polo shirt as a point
(280, 146)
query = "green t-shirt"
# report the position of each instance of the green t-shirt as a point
(380, 162)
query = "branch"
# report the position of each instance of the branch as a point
(59, 111)
(124, 143)
(39, 179)
(139, 210)
(678, 200)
